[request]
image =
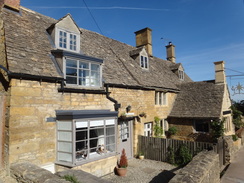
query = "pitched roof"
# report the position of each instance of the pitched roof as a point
(198, 100)
(29, 46)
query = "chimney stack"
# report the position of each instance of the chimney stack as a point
(144, 38)
(220, 72)
(11, 4)
(170, 51)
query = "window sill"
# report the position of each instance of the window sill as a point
(79, 163)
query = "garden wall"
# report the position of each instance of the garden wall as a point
(204, 168)
(30, 173)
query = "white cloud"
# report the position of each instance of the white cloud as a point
(99, 8)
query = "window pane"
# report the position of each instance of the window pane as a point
(71, 72)
(81, 146)
(64, 157)
(64, 125)
(110, 148)
(95, 133)
(66, 136)
(110, 122)
(110, 131)
(81, 135)
(95, 67)
(145, 62)
(83, 73)
(93, 143)
(83, 65)
(110, 140)
(71, 63)
(65, 146)
(84, 81)
(142, 62)
(71, 80)
(94, 75)
(96, 123)
(81, 124)
(160, 98)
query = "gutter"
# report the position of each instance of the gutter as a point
(31, 77)
(116, 104)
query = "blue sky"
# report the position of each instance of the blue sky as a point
(203, 31)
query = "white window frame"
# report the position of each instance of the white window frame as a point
(67, 148)
(148, 129)
(181, 74)
(68, 33)
(89, 79)
(161, 98)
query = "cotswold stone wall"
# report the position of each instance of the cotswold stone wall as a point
(32, 138)
(204, 168)
(141, 101)
(26, 173)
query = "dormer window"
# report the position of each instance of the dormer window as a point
(67, 40)
(144, 62)
(181, 74)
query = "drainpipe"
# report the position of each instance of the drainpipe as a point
(116, 104)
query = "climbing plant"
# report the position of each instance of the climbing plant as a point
(158, 131)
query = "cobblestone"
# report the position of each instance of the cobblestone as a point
(144, 171)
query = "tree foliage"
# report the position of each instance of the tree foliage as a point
(237, 111)
(158, 131)
(217, 128)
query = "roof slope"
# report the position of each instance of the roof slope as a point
(198, 100)
(29, 46)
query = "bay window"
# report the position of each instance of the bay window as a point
(82, 140)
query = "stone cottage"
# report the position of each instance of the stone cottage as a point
(74, 98)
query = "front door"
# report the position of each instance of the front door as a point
(125, 137)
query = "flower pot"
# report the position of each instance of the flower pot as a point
(141, 157)
(121, 171)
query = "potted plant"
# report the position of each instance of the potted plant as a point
(141, 155)
(122, 164)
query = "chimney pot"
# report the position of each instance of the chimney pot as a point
(144, 38)
(11, 4)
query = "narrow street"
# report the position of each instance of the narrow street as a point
(235, 172)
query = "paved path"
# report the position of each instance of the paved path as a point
(144, 171)
(235, 172)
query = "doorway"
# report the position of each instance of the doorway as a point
(125, 137)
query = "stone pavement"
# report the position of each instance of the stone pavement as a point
(144, 171)
(235, 172)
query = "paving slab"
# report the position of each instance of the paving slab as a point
(144, 171)
(235, 172)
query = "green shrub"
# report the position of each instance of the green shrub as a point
(172, 130)
(234, 137)
(158, 131)
(71, 178)
(171, 156)
(183, 155)
(217, 128)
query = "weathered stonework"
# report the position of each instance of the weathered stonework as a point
(141, 101)
(204, 168)
(31, 137)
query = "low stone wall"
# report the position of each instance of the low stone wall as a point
(29, 173)
(204, 168)
(231, 147)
